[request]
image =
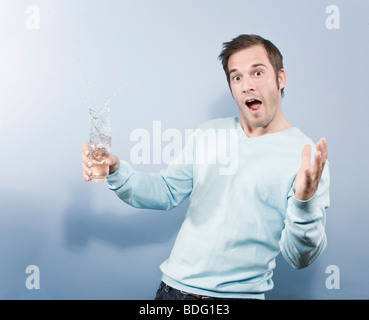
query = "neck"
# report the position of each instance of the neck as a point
(279, 123)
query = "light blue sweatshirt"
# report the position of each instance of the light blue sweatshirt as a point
(242, 209)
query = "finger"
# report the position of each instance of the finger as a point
(113, 163)
(317, 165)
(325, 145)
(86, 172)
(86, 168)
(320, 147)
(306, 154)
(110, 160)
(86, 160)
(320, 158)
(87, 178)
(86, 149)
(323, 148)
(317, 169)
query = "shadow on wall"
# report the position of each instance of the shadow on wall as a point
(22, 239)
(293, 284)
(82, 224)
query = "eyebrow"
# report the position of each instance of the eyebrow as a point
(259, 65)
(255, 65)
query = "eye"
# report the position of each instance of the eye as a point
(236, 78)
(258, 73)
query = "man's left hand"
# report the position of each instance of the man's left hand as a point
(308, 177)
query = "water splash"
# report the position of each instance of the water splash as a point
(100, 128)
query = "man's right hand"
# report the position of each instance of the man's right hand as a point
(112, 161)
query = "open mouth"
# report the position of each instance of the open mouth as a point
(253, 104)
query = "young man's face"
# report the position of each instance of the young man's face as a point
(256, 89)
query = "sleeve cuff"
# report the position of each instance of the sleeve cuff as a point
(304, 210)
(117, 179)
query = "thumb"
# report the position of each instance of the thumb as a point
(113, 163)
(111, 160)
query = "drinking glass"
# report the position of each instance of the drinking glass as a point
(100, 143)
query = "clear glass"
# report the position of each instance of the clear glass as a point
(100, 143)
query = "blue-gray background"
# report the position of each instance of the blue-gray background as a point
(161, 57)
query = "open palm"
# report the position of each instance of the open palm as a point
(308, 177)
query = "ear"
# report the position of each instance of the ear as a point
(282, 79)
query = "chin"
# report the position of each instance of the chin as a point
(259, 123)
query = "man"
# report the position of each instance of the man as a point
(239, 220)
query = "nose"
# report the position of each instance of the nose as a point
(248, 84)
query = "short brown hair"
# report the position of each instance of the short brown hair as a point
(245, 41)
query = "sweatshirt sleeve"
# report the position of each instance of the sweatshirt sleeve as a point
(163, 190)
(303, 237)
